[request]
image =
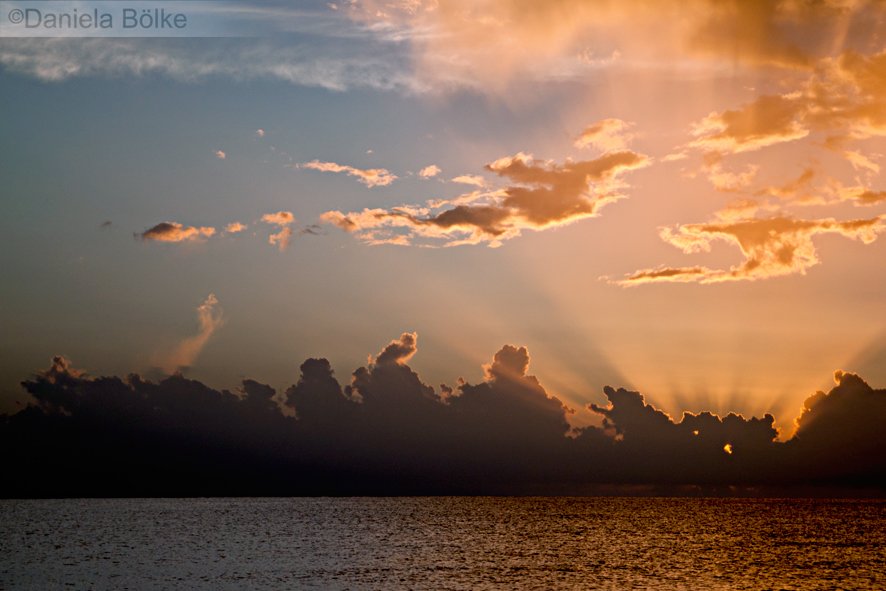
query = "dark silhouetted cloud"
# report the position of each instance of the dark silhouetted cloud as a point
(387, 432)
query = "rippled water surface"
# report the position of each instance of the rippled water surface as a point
(442, 543)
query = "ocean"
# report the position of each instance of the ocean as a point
(443, 543)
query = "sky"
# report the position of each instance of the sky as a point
(683, 200)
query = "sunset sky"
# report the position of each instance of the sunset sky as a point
(678, 198)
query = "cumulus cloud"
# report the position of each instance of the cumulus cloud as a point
(398, 351)
(259, 132)
(374, 177)
(209, 319)
(173, 232)
(282, 239)
(772, 246)
(539, 195)
(605, 135)
(281, 218)
(429, 171)
(839, 433)
(220, 155)
(387, 432)
(235, 227)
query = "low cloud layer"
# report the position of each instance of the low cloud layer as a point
(385, 431)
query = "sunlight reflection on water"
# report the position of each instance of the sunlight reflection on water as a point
(443, 543)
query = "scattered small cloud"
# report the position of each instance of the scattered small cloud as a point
(209, 319)
(386, 431)
(429, 171)
(606, 135)
(173, 232)
(281, 218)
(235, 227)
(282, 239)
(374, 177)
(859, 161)
(470, 179)
(259, 132)
(219, 154)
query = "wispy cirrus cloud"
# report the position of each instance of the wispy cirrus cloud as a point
(606, 135)
(209, 319)
(373, 177)
(429, 171)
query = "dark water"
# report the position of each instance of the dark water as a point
(443, 543)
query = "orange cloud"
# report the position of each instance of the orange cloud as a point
(844, 97)
(470, 179)
(210, 319)
(429, 171)
(540, 195)
(772, 246)
(220, 154)
(173, 232)
(281, 218)
(859, 160)
(235, 227)
(858, 195)
(605, 135)
(744, 208)
(398, 352)
(768, 120)
(283, 239)
(375, 177)
(730, 182)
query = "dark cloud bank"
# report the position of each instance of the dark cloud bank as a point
(388, 433)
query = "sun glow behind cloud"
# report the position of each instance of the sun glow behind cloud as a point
(728, 149)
